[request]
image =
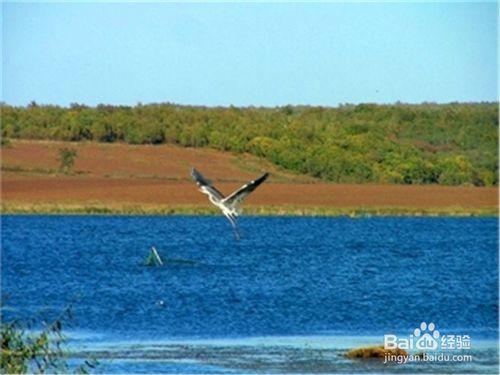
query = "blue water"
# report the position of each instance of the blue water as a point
(299, 278)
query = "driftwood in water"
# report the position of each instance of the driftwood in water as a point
(154, 258)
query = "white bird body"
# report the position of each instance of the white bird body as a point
(230, 205)
(229, 212)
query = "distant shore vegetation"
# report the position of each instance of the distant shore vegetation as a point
(267, 210)
(448, 144)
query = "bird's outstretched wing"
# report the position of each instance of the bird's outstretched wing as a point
(206, 185)
(235, 198)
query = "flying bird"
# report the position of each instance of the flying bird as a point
(230, 205)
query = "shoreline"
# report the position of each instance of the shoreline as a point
(252, 210)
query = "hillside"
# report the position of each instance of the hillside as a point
(125, 178)
(119, 160)
(449, 144)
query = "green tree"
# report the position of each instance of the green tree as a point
(67, 158)
(455, 170)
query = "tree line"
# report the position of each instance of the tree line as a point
(450, 144)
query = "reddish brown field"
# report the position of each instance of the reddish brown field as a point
(118, 160)
(124, 174)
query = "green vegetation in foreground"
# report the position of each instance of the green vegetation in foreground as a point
(448, 144)
(249, 210)
(24, 351)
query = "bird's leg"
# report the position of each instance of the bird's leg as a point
(236, 233)
(232, 220)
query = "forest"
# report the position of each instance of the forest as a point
(449, 144)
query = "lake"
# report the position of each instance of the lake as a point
(291, 296)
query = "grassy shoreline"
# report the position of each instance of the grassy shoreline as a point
(268, 210)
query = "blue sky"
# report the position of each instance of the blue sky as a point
(249, 54)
